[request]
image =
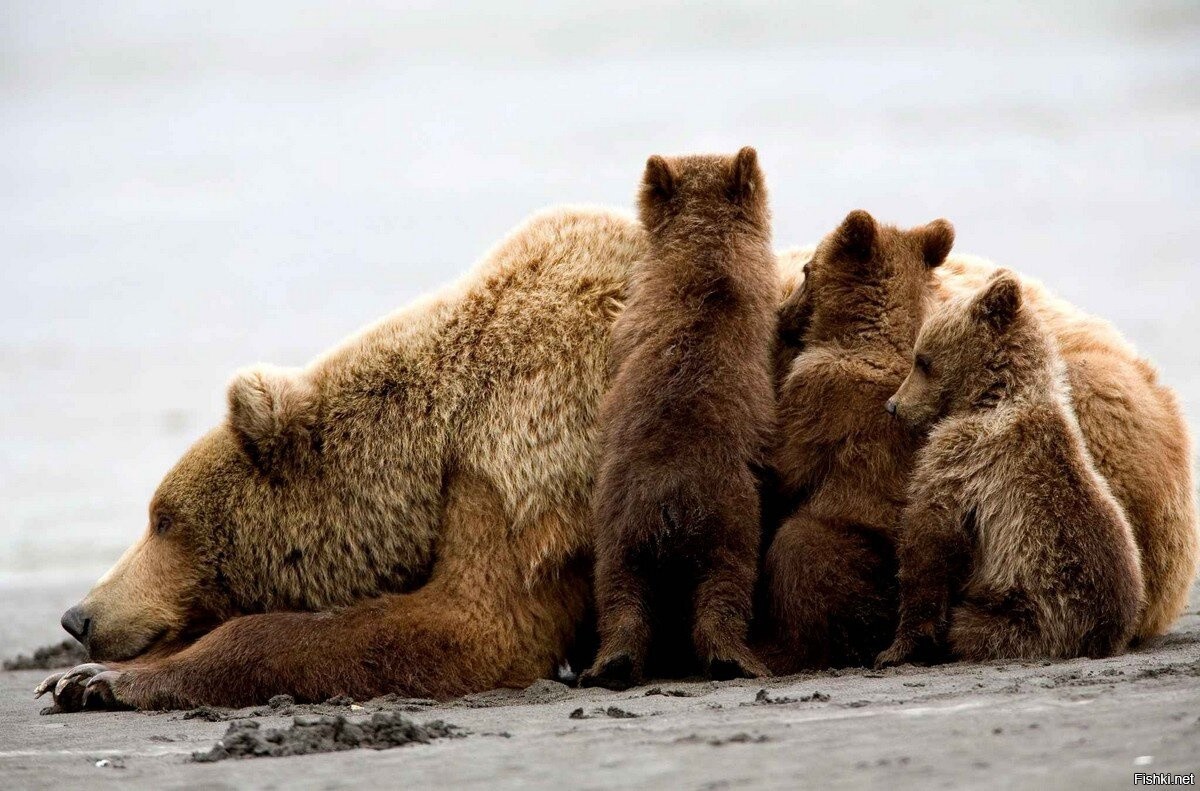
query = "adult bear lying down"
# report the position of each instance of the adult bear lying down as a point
(408, 513)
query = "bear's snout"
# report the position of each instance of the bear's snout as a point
(77, 623)
(890, 406)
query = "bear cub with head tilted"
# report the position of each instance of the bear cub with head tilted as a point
(684, 425)
(1012, 545)
(841, 466)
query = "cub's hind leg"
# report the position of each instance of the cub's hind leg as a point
(1001, 626)
(831, 595)
(725, 590)
(623, 620)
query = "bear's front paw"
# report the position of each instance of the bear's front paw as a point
(737, 663)
(89, 687)
(898, 653)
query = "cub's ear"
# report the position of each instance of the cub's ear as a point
(745, 177)
(659, 180)
(855, 237)
(795, 313)
(937, 238)
(273, 412)
(998, 303)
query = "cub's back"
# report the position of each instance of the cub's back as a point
(1045, 520)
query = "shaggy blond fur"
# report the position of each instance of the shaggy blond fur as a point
(446, 450)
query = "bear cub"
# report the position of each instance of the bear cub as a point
(684, 427)
(841, 465)
(1012, 545)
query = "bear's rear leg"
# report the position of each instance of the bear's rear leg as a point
(832, 595)
(722, 606)
(622, 601)
(1004, 628)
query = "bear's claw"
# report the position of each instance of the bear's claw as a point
(88, 686)
(48, 684)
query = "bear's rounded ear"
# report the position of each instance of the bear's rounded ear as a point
(658, 182)
(273, 412)
(998, 303)
(795, 313)
(937, 238)
(745, 176)
(855, 237)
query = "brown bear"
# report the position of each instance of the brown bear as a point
(1120, 404)
(1012, 544)
(684, 427)
(465, 423)
(425, 485)
(839, 461)
(1134, 430)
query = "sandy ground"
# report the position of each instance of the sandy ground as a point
(1078, 724)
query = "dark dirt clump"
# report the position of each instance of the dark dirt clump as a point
(612, 711)
(68, 653)
(671, 693)
(739, 738)
(206, 713)
(394, 701)
(324, 734)
(763, 698)
(718, 741)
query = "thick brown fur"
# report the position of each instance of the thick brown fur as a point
(1013, 546)
(1135, 432)
(1120, 403)
(841, 464)
(685, 425)
(425, 486)
(486, 392)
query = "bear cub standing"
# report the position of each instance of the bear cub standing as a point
(1012, 545)
(685, 426)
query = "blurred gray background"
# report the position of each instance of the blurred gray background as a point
(188, 187)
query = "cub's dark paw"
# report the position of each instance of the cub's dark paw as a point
(721, 668)
(911, 649)
(89, 687)
(617, 673)
(898, 653)
(918, 646)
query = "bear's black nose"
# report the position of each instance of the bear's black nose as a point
(77, 623)
(890, 406)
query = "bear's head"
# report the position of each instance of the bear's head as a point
(971, 352)
(243, 522)
(866, 281)
(701, 193)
